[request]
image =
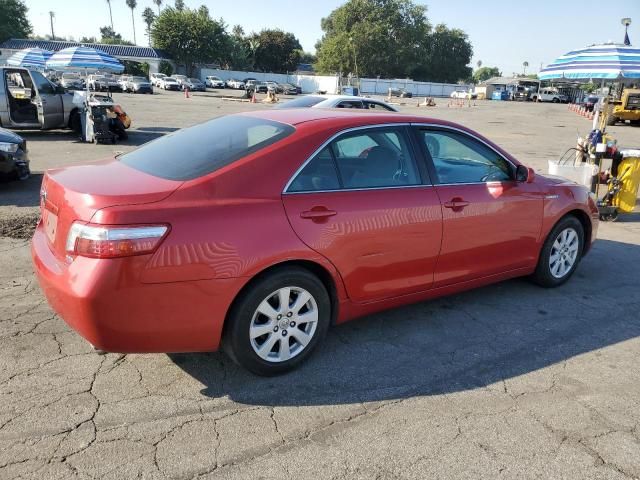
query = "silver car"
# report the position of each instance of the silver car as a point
(28, 100)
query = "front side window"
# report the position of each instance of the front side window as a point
(373, 158)
(458, 158)
(197, 151)
(42, 84)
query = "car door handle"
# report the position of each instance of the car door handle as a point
(456, 204)
(318, 213)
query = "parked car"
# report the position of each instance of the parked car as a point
(72, 81)
(233, 83)
(138, 85)
(30, 101)
(337, 101)
(273, 86)
(155, 78)
(214, 82)
(194, 85)
(590, 102)
(169, 83)
(462, 93)
(14, 163)
(122, 81)
(259, 87)
(180, 79)
(104, 83)
(247, 80)
(400, 92)
(288, 89)
(550, 95)
(164, 262)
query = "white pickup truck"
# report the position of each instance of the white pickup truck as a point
(549, 95)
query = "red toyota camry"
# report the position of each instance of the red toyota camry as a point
(258, 231)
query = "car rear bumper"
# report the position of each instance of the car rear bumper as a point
(107, 304)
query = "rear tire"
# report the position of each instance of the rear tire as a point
(289, 305)
(75, 122)
(560, 254)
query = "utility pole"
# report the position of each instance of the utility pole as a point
(51, 15)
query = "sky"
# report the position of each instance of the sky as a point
(503, 33)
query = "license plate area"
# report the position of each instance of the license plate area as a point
(50, 221)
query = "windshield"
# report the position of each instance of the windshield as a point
(70, 75)
(138, 79)
(302, 102)
(205, 148)
(169, 79)
(194, 80)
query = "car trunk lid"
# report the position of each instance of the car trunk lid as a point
(76, 193)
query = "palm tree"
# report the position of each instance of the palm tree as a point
(149, 17)
(479, 63)
(254, 45)
(132, 4)
(110, 14)
(525, 64)
(158, 3)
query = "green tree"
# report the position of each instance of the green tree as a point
(158, 3)
(383, 37)
(189, 37)
(13, 20)
(179, 5)
(391, 38)
(485, 73)
(149, 17)
(448, 57)
(166, 68)
(132, 4)
(88, 40)
(277, 51)
(108, 35)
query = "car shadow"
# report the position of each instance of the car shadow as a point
(25, 193)
(462, 342)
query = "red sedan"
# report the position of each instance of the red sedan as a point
(258, 231)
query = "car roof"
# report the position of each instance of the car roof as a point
(296, 116)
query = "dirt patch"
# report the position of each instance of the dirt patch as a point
(19, 226)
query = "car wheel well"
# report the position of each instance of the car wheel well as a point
(583, 218)
(314, 268)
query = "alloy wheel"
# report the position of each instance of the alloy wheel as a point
(564, 253)
(283, 324)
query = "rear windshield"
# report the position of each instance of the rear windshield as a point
(205, 148)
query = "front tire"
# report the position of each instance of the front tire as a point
(561, 253)
(278, 321)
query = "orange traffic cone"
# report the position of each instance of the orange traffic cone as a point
(253, 97)
(186, 93)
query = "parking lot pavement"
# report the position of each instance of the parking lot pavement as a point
(508, 381)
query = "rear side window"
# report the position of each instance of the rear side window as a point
(200, 150)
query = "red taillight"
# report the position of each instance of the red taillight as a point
(101, 241)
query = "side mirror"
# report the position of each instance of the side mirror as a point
(524, 174)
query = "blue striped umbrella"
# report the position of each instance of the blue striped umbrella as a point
(86, 58)
(608, 62)
(30, 57)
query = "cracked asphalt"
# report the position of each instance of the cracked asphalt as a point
(508, 381)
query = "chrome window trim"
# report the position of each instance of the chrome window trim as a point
(344, 190)
(464, 132)
(331, 139)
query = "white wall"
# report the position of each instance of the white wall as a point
(418, 89)
(329, 83)
(308, 83)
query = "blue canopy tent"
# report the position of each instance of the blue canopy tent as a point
(84, 58)
(612, 62)
(30, 58)
(87, 59)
